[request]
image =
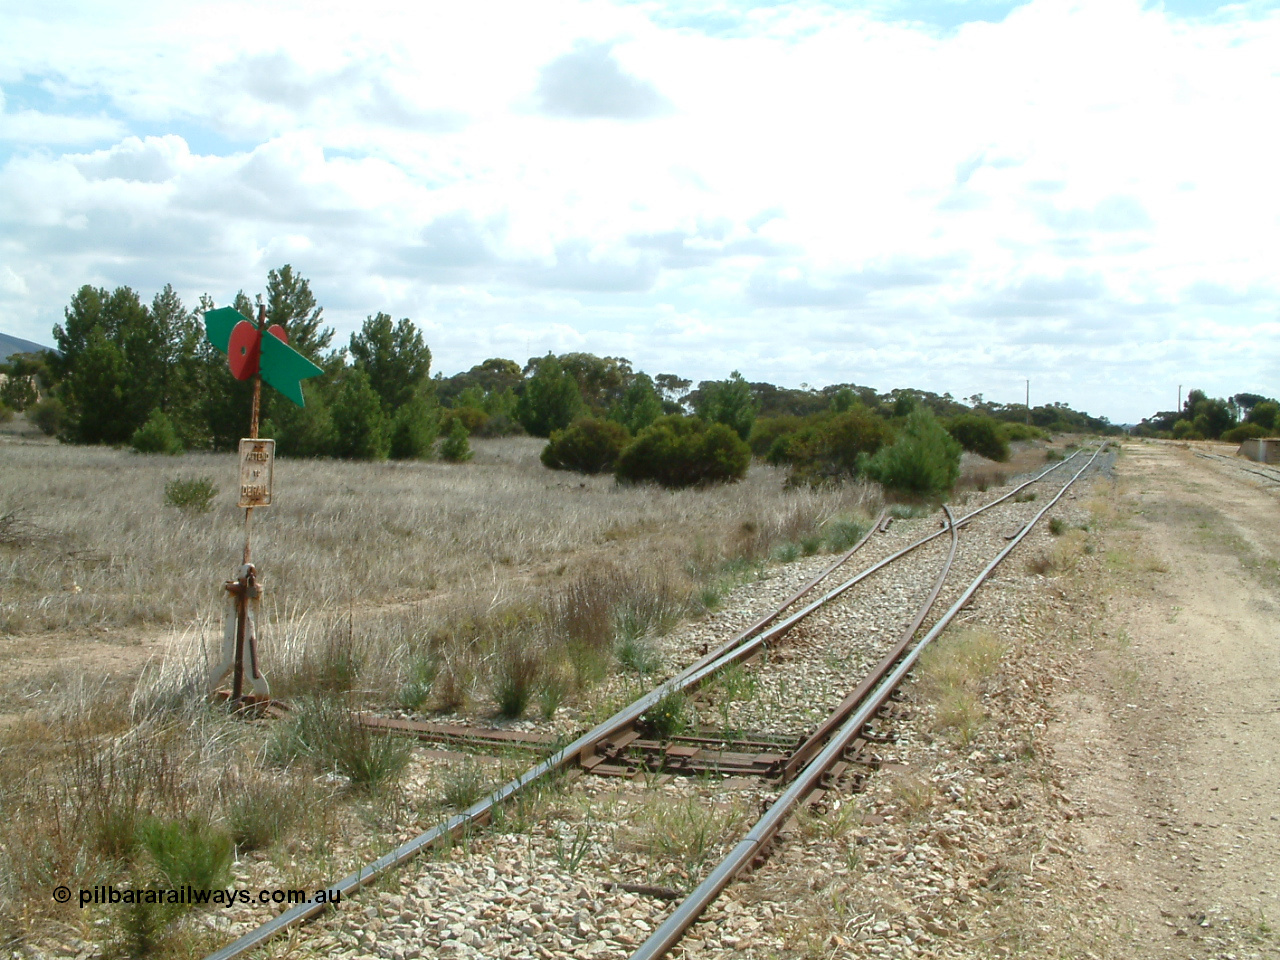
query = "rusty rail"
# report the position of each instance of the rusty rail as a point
(685, 915)
(729, 652)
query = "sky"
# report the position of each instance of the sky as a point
(952, 195)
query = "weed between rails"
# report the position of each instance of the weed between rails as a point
(951, 674)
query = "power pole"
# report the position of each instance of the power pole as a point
(1028, 403)
(1179, 410)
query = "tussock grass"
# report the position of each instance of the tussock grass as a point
(343, 533)
(1062, 557)
(686, 832)
(951, 673)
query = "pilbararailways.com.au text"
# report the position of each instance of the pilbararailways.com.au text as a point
(192, 896)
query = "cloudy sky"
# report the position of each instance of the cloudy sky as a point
(948, 194)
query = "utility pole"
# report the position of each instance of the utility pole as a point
(1179, 410)
(1028, 403)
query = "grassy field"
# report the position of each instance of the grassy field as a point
(493, 587)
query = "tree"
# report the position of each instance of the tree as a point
(414, 427)
(639, 405)
(291, 304)
(96, 389)
(730, 402)
(551, 399)
(601, 380)
(925, 459)
(361, 430)
(456, 447)
(395, 358)
(1265, 413)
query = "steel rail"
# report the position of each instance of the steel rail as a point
(1274, 477)
(673, 928)
(729, 652)
(477, 811)
(813, 743)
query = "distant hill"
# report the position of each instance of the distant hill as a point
(11, 345)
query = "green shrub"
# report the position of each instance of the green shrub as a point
(417, 688)
(980, 435)
(456, 447)
(1245, 431)
(832, 449)
(50, 415)
(5, 413)
(677, 451)
(587, 445)
(841, 533)
(157, 435)
(414, 429)
(1265, 414)
(1186, 430)
(194, 495)
(666, 718)
(261, 810)
(767, 430)
(329, 733)
(925, 459)
(1013, 432)
(361, 431)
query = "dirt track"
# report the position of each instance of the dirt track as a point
(1170, 738)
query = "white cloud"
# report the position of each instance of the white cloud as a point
(797, 191)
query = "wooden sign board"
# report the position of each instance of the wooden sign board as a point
(257, 457)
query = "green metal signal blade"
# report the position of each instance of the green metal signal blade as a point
(285, 368)
(218, 325)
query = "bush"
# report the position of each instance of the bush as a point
(925, 459)
(473, 418)
(5, 413)
(456, 447)
(588, 445)
(980, 435)
(767, 430)
(729, 402)
(834, 449)
(677, 451)
(1186, 430)
(413, 430)
(49, 415)
(1245, 431)
(157, 435)
(1013, 432)
(330, 733)
(194, 495)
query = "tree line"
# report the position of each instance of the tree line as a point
(130, 372)
(1245, 416)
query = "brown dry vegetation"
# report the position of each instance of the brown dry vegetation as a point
(494, 586)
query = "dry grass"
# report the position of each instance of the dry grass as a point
(352, 534)
(951, 674)
(411, 585)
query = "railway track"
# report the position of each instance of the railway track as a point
(795, 765)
